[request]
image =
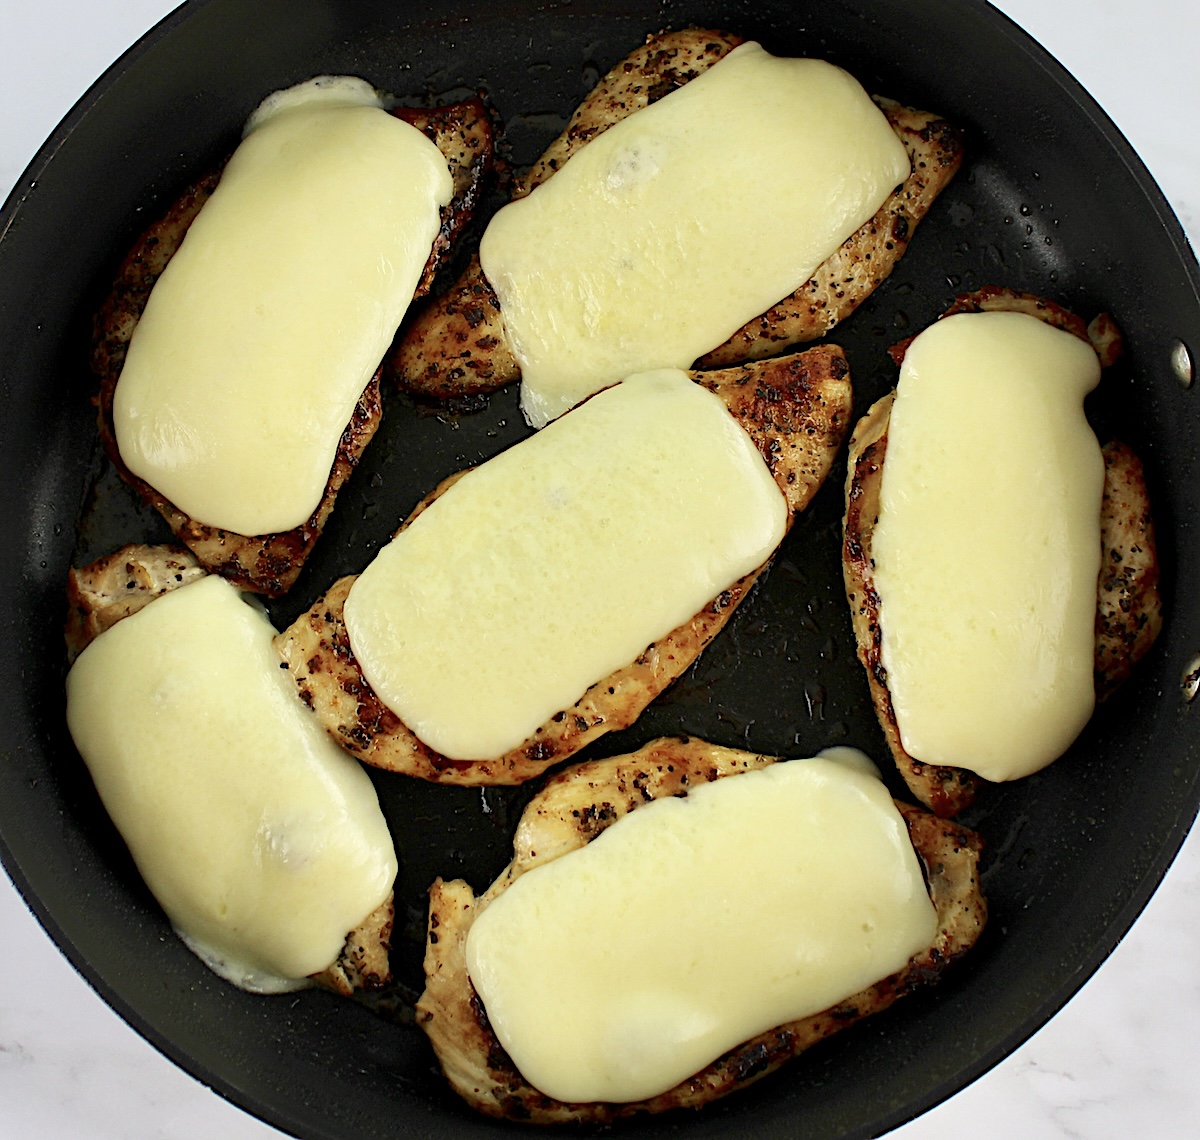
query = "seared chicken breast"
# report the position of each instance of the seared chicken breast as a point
(101, 594)
(1129, 608)
(573, 808)
(457, 347)
(796, 409)
(269, 564)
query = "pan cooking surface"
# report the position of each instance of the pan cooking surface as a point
(1072, 852)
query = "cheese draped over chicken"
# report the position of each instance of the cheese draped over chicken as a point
(270, 320)
(987, 547)
(675, 226)
(692, 924)
(261, 839)
(560, 561)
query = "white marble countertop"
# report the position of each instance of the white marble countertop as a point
(1118, 1061)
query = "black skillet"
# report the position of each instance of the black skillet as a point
(1051, 200)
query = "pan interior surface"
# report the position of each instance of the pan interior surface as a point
(1050, 200)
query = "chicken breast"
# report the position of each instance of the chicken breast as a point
(269, 564)
(100, 595)
(456, 346)
(1129, 608)
(576, 806)
(796, 409)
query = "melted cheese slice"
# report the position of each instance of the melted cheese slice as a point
(677, 225)
(690, 925)
(987, 548)
(260, 838)
(559, 561)
(269, 321)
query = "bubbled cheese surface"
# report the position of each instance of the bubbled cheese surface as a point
(668, 231)
(560, 561)
(260, 838)
(987, 548)
(690, 925)
(268, 323)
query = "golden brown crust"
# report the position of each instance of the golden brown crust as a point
(118, 316)
(363, 963)
(795, 408)
(998, 299)
(944, 790)
(456, 347)
(574, 807)
(266, 564)
(269, 564)
(331, 683)
(102, 593)
(1129, 614)
(868, 256)
(664, 62)
(1128, 606)
(463, 133)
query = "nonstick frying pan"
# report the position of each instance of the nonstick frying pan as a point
(1074, 852)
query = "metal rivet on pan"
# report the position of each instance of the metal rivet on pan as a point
(1191, 680)
(1181, 364)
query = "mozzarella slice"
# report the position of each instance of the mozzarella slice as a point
(559, 561)
(690, 925)
(260, 838)
(270, 320)
(675, 226)
(987, 548)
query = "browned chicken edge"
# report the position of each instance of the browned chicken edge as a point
(796, 409)
(269, 564)
(456, 347)
(114, 587)
(577, 805)
(1129, 606)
